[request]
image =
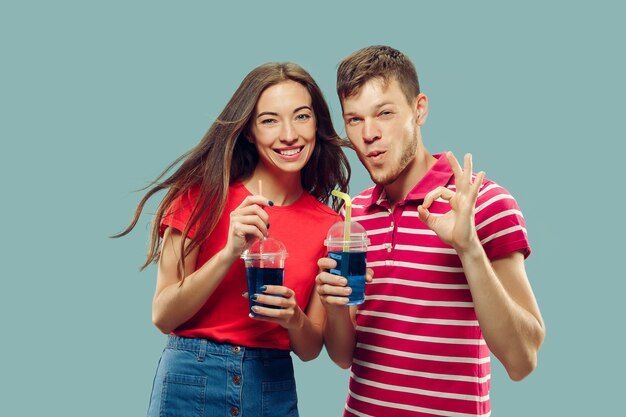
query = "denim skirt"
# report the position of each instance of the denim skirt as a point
(202, 378)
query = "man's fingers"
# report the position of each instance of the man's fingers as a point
(461, 175)
(326, 263)
(333, 289)
(326, 278)
(454, 164)
(467, 167)
(336, 300)
(478, 181)
(332, 285)
(439, 192)
(424, 215)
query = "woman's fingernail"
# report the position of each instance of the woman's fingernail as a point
(263, 288)
(254, 297)
(270, 203)
(268, 225)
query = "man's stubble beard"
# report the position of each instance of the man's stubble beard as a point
(408, 154)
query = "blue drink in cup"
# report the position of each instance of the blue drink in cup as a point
(258, 277)
(347, 245)
(265, 265)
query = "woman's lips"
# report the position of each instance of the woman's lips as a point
(290, 153)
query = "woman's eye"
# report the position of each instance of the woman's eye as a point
(303, 117)
(268, 121)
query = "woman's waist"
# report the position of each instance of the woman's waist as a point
(206, 346)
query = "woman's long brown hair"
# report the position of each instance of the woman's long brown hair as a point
(224, 156)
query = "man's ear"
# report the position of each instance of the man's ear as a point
(421, 109)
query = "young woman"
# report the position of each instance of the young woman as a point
(219, 360)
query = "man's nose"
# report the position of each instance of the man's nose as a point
(371, 131)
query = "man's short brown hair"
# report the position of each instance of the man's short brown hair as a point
(382, 62)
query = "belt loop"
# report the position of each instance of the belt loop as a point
(202, 350)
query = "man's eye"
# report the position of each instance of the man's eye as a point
(353, 120)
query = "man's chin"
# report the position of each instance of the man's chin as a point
(382, 179)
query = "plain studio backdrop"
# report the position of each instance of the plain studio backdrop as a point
(96, 98)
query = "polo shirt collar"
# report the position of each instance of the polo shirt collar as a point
(438, 175)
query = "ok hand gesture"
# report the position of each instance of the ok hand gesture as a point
(456, 227)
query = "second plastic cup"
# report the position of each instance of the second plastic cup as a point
(265, 265)
(349, 250)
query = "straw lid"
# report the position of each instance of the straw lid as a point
(265, 249)
(356, 236)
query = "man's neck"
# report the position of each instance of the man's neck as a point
(410, 177)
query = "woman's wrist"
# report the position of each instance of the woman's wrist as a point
(297, 320)
(226, 257)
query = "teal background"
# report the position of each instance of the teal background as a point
(96, 98)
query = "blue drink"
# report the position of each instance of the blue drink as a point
(351, 265)
(258, 277)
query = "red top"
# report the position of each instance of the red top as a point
(420, 350)
(301, 226)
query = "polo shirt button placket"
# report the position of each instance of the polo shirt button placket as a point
(389, 244)
(389, 236)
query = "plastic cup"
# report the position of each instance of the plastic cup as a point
(347, 244)
(265, 265)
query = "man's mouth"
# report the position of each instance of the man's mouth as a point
(374, 154)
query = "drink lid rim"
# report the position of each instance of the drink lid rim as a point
(352, 242)
(265, 255)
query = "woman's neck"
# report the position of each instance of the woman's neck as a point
(282, 191)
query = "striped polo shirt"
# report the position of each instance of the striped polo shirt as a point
(420, 350)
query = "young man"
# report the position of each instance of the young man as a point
(447, 250)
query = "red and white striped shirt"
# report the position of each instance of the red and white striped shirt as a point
(420, 350)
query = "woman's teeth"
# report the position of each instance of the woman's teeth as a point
(290, 152)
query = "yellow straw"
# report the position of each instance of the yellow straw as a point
(346, 225)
